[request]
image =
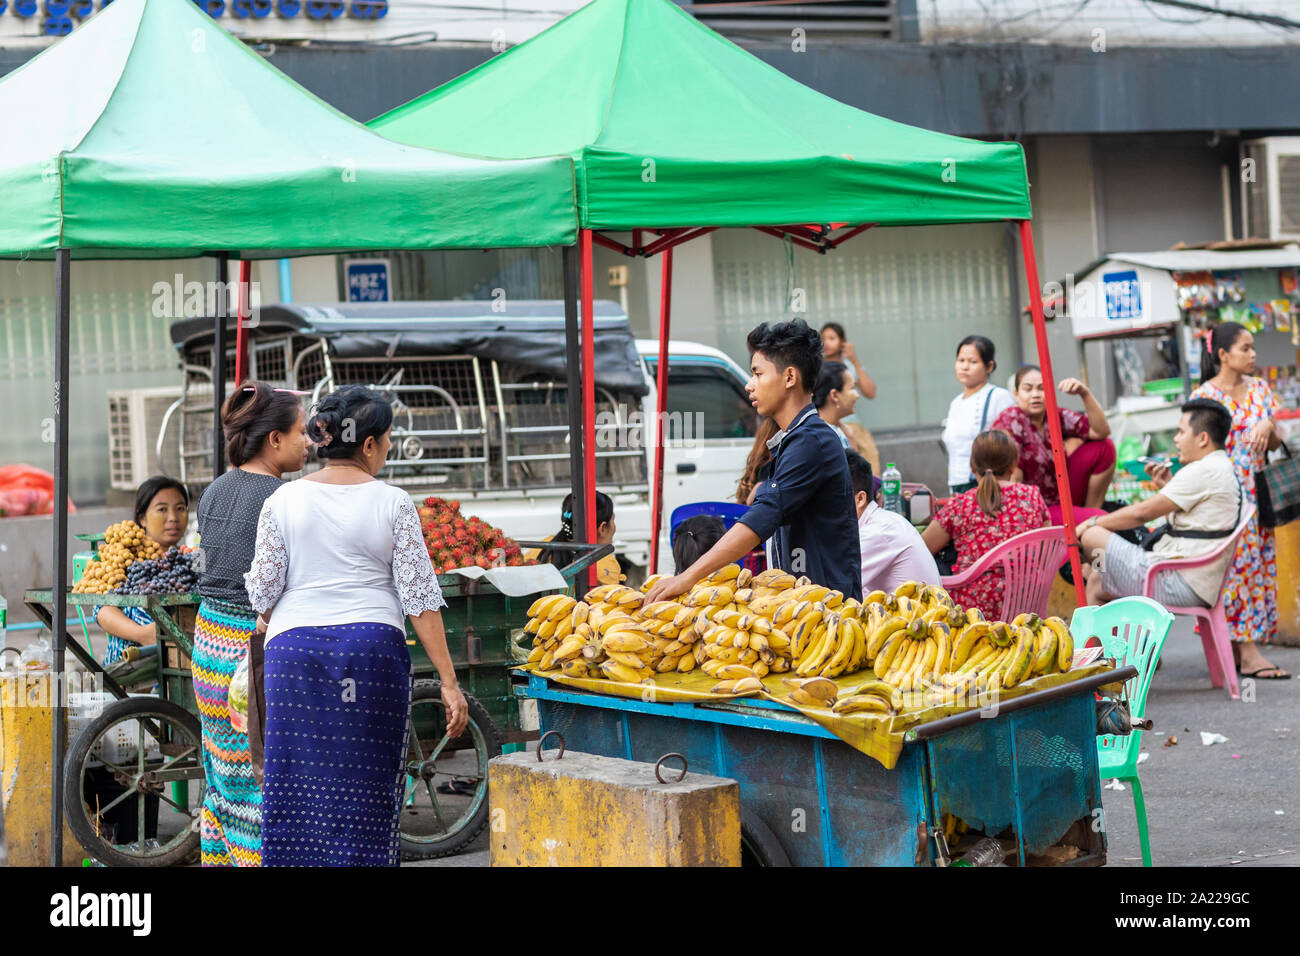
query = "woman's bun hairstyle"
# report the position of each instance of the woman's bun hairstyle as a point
(345, 419)
(252, 412)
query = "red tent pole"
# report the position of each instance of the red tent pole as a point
(661, 407)
(1053, 412)
(589, 391)
(241, 308)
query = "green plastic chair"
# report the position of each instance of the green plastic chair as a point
(1132, 630)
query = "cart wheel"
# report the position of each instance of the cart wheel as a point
(117, 794)
(758, 844)
(440, 824)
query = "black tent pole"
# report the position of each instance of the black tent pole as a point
(62, 331)
(573, 363)
(219, 369)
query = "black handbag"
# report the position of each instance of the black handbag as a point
(1277, 491)
(257, 702)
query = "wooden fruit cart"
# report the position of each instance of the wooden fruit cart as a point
(1026, 773)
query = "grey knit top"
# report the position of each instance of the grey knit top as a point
(228, 513)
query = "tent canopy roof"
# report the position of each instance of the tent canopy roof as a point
(672, 125)
(152, 132)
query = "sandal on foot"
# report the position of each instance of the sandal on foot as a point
(1280, 675)
(465, 788)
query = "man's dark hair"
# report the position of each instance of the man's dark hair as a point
(1207, 415)
(790, 343)
(859, 472)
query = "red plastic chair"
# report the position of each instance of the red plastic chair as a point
(1212, 623)
(1029, 563)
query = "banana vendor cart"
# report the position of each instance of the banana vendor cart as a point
(1026, 773)
(141, 732)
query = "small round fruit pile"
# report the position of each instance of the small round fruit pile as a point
(455, 541)
(173, 573)
(124, 544)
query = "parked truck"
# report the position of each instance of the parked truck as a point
(480, 404)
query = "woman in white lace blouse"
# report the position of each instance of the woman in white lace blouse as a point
(340, 563)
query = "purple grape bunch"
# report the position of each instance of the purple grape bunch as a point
(173, 573)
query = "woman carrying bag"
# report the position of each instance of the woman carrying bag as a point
(1250, 589)
(266, 437)
(340, 565)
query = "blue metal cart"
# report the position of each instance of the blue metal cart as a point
(809, 799)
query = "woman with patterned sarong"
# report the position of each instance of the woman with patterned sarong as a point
(1250, 587)
(265, 433)
(340, 563)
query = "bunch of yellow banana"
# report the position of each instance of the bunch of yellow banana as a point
(568, 634)
(830, 636)
(811, 691)
(562, 634)
(1004, 655)
(873, 697)
(739, 643)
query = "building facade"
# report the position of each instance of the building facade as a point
(1133, 119)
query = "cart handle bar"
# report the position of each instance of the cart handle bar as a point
(934, 728)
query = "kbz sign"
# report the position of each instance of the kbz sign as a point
(58, 16)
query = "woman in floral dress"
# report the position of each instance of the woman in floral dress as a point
(1250, 589)
(977, 521)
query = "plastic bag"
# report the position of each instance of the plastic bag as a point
(36, 656)
(25, 490)
(237, 699)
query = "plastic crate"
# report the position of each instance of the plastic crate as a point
(116, 748)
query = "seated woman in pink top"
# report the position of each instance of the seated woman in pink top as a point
(1090, 454)
(977, 521)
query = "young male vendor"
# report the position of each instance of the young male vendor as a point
(804, 501)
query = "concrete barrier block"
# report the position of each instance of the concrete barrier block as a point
(587, 810)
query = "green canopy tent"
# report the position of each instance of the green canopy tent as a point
(677, 131)
(150, 132)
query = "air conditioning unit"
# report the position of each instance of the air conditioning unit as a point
(1270, 187)
(134, 418)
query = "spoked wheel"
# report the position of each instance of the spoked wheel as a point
(117, 793)
(445, 805)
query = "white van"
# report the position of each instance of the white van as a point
(481, 412)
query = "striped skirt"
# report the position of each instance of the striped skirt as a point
(231, 824)
(338, 700)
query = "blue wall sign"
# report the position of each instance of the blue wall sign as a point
(367, 280)
(1123, 295)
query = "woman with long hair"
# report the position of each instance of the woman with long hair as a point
(265, 433)
(972, 411)
(759, 455)
(1090, 454)
(1250, 589)
(340, 564)
(978, 520)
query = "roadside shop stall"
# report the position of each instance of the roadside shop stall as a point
(1177, 297)
(130, 167)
